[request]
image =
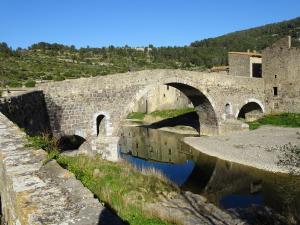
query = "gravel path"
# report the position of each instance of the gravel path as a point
(251, 148)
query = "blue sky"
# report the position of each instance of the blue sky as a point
(133, 22)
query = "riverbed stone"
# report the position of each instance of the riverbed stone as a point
(190, 209)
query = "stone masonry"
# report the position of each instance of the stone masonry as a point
(74, 105)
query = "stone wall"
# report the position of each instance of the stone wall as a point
(28, 111)
(239, 65)
(37, 194)
(281, 69)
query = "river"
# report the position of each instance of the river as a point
(227, 185)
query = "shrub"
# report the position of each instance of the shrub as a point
(14, 83)
(48, 77)
(59, 78)
(30, 83)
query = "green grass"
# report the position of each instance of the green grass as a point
(119, 185)
(164, 114)
(136, 115)
(282, 119)
(172, 112)
(50, 145)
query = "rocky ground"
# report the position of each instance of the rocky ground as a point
(190, 209)
(259, 148)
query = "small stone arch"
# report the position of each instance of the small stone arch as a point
(251, 110)
(228, 109)
(101, 124)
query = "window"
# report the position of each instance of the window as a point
(228, 109)
(275, 91)
(275, 76)
(98, 123)
(256, 70)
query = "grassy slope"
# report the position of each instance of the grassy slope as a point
(122, 187)
(283, 119)
(119, 185)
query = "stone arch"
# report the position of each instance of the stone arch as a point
(101, 124)
(200, 100)
(70, 142)
(253, 107)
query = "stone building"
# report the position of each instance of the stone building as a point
(279, 67)
(281, 73)
(245, 64)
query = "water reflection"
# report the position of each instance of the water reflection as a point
(227, 185)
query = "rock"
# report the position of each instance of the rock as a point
(96, 173)
(188, 208)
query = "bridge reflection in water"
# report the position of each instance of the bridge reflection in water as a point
(226, 184)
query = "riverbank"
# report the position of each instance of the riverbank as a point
(262, 148)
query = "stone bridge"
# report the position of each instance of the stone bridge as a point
(94, 108)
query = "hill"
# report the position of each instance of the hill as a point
(45, 61)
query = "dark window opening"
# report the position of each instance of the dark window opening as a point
(99, 119)
(256, 70)
(167, 87)
(164, 95)
(275, 91)
(275, 76)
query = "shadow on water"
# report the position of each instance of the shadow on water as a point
(189, 119)
(231, 186)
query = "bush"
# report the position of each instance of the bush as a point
(59, 78)
(14, 83)
(45, 142)
(48, 77)
(30, 83)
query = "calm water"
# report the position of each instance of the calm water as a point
(227, 185)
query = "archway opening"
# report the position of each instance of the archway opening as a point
(195, 109)
(250, 111)
(207, 117)
(70, 142)
(100, 124)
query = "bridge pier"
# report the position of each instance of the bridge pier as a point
(107, 147)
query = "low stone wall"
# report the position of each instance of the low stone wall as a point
(37, 194)
(27, 110)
